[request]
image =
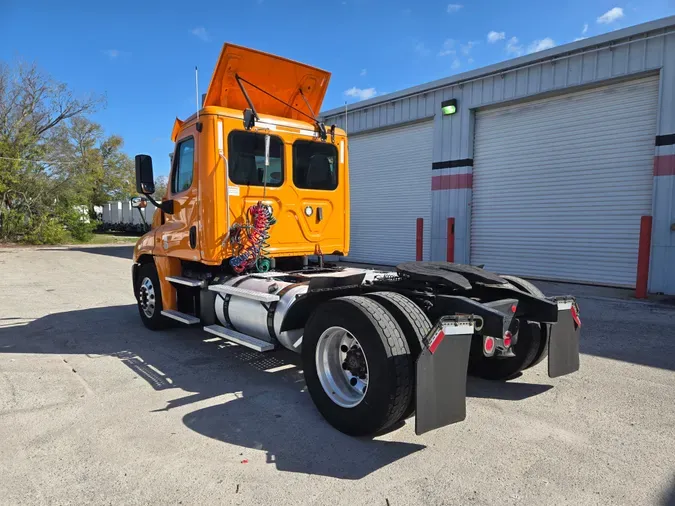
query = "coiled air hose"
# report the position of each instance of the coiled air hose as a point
(249, 240)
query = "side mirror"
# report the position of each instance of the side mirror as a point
(139, 202)
(145, 181)
(249, 119)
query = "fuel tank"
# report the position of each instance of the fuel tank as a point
(262, 319)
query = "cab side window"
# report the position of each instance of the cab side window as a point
(247, 159)
(184, 162)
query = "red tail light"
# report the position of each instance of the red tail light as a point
(507, 339)
(488, 344)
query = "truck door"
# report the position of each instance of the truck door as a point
(318, 182)
(180, 232)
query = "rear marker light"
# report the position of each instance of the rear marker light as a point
(507, 339)
(489, 344)
(513, 308)
(436, 341)
(575, 315)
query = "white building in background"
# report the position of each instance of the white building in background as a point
(547, 165)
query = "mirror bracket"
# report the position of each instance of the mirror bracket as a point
(249, 119)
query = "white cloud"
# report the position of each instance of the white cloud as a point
(201, 33)
(466, 48)
(610, 16)
(541, 45)
(361, 94)
(448, 48)
(470, 61)
(583, 32)
(421, 49)
(363, 72)
(112, 53)
(493, 36)
(455, 64)
(514, 47)
(454, 8)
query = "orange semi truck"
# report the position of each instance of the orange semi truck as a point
(259, 186)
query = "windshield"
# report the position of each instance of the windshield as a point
(315, 165)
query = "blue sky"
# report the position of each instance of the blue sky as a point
(142, 54)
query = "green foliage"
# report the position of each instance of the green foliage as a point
(80, 227)
(54, 162)
(46, 230)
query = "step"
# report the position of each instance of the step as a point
(244, 293)
(180, 317)
(179, 280)
(239, 338)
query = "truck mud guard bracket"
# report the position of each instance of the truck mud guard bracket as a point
(440, 397)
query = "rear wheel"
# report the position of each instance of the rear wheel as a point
(503, 368)
(414, 324)
(357, 364)
(544, 329)
(149, 297)
(530, 348)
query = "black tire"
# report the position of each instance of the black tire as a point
(414, 324)
(544, 329)
(504, 368)
(390, 365)
(155, 320)
(524, 285)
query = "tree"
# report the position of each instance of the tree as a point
(161, 184)
(52, 158)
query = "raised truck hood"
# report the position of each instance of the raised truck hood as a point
(279, 76)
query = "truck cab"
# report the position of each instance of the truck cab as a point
(245, 147)
(259, 184)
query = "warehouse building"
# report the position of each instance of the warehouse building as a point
(546, 163)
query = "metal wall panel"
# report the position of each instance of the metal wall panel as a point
(623, 54)
(389, 181)
(559, 185)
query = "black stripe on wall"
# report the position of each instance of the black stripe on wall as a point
(665, 140)
(449, 164)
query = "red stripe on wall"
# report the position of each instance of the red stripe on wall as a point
(664, 165)
(452, 182)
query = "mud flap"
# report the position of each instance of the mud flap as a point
(441, 374)
(563, 346)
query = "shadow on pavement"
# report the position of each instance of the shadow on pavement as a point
(507, 391)
(122, 251)
(265, 407)
(669, 497)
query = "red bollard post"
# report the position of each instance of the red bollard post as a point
(644, 250)
(451, 240)
(420, 239)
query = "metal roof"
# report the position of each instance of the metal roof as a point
(549, 54)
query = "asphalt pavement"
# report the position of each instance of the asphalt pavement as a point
(96, 409)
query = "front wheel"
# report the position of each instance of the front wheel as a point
(357, 364)
(149, 297)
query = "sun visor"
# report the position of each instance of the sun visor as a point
(278, 76)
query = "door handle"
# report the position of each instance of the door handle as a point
(193, 236)
(319, 214)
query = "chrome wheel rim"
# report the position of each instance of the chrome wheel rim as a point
(342, 367)
(146, 297)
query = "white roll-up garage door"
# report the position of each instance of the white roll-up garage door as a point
(390, 187)
(559, 185)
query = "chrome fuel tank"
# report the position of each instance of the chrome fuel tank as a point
(258, 319)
